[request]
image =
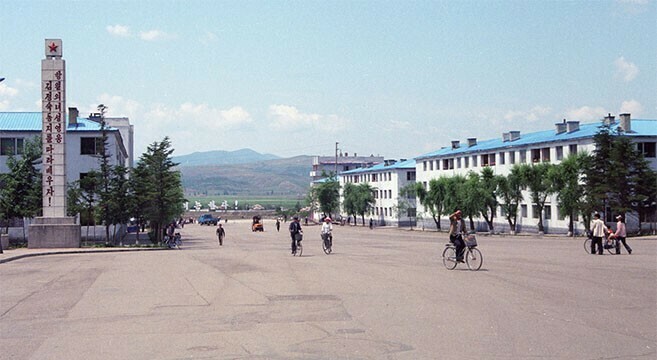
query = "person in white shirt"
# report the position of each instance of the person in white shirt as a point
(620, 235)
(327, 229)
(598, 231)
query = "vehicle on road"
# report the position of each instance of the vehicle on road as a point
(472, 255)
(208, 219)
(257, 224)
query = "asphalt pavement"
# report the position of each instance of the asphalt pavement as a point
(382, 294)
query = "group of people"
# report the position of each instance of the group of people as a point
(599, 231)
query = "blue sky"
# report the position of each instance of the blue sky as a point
(390, 78)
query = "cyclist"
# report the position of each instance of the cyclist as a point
(295, 230)
(456, 231)
(327, 229)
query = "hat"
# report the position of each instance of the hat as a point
(619, 217)
(327, 219)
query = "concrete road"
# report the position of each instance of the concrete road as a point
(382, 294)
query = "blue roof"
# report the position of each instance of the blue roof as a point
(406, 164)
(32, 121)
(640, 127)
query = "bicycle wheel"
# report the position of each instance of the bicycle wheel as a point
(299, 248)
(473, 258)
(326, 245)
(449, 257)
(587, 245)
(612, 250)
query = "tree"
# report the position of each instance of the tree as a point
(405, 204)
(350, 198)
(488, 184)
(535, 177)
(433, 199)
(82, 199)
(358, 199)
(165, 196)
(328, 195)
(21, 192)
(510, 193)
(565, 178)
(120, 205)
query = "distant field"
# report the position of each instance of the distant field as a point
(269, 202)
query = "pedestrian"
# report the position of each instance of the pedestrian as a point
(456, 231)
(620, 235)
(371, 224)
(598, 231)
(221, 233)
(278, 224)
(295, 231)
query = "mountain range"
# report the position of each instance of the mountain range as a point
(243, 172)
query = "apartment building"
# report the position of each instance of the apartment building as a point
(387, 178)
(324, 165)
(82, 141)
(552, 146)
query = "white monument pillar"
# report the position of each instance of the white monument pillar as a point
(54, 229)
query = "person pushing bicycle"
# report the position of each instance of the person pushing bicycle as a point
(456, 231)
(295, 232)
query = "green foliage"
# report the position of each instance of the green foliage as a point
(540, 185)
(487, 189)
(358, 199)
(509, 190)
(327, 195)
(433, 199)
(565, 178)
(21, 193)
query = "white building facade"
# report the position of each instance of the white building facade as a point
(82, 141)
(552, 146)
(388, 179)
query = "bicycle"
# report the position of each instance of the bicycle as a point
(298, 237)
(472, 255)
(608, 244)
(327, 243)
(174, 242)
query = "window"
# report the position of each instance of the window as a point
(466, 162)
(458, 163)
(474, 161)
(484, 160)
(572, 148)
(560, 216)
(502, 159)
(547, 210)
(386, 211)
(411, 212)
(389, 194)
(545, 154)
(491, 159)
(445, 164)
(523, 210)
(502, 211)
(424, 164)
(512, 157)
(410, 175)
(559, 151)
(647, 149)
(523, 156)
(91, 146)
(535, 212)
(11, 146)
(536, 155)
(430, 165)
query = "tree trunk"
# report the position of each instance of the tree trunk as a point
(437, 221)
(472, 227)
(571, 224)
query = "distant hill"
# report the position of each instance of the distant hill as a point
(220, 157)
(280, 176)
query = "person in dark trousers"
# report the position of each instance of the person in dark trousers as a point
(620, 235)
(598, 231)
(295, 229)
(371, 224)
(221, 233)
(456, 231)
(278, 224)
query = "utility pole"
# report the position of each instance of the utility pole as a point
(336, 160)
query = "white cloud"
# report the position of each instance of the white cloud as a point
(118, 30)
(209, 37)
(7, 91)
(533, 115)
(626, 70)
(154, 35)
(631, 106)
(398, 125)
(289, 117)
(586, 113)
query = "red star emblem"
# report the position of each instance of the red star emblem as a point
(53, 47)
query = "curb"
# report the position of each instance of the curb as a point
(64, 252)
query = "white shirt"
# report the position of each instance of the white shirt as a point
(327, 227)
(598, 228)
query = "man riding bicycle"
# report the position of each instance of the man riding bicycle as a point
(456, 231)
(327, 229)
(295, 231)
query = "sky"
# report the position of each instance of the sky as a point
(391, 78)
